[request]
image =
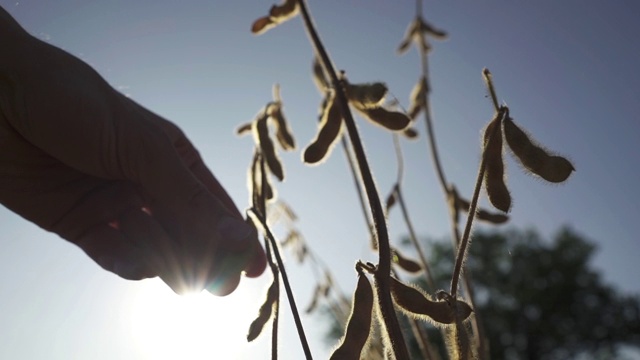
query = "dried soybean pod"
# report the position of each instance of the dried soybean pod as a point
(534, 157)
(494, 218)
(330, 128)
(266, 310)
(359, 323)
(417, 97)
(284, 11)
(283, 132)
(261, 136)
(366, 95)
(418, 305)
(405, 263)
(391, 200)
(319, 77)
(262, 24)
(426, 28)
(391, 120)
(408, 37)
(494, 167)
(243, 129)
(410, 133)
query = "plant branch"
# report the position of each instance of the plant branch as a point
(464, 242)
(262, 218)
(383, 272)
(427, 117)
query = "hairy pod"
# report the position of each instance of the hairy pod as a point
(482, 214)
(426, 28)
(261, 136)
(319, 77)
(391, 200)
(406, 264)
(410, 133)
(391, 120)
(277, 14)
(330, 128)
(266, 310)
(283, 132)
(494, 166)
(359, 323)
(284, 11)
(534, 157)
(417, 97)
(243, 129)
(408, 37)
(366, 95)
(419, 305)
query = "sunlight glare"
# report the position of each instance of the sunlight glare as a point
(191, 327)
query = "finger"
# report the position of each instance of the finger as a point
(172, 265)
(114, 252)
(192, 159)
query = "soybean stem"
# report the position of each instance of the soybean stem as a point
(383, 272)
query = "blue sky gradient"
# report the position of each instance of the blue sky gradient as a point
(568, 71)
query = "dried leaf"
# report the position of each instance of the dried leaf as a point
(405, 263)
(391, 120)
(366, 95)
(330, 128)
(534, 157)
(494, 166)
(417, 304)
(359, 323)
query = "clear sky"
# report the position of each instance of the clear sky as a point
(567, 69)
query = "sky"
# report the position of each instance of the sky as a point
(567, 70)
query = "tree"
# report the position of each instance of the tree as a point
(542, 299)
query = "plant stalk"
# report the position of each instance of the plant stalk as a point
(382, 275)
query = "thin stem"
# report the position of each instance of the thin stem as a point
(492, 91)
(428, 121)
(285, 280)
(464, 242)
(413, 238)
(399, 158)
(356, 180)
(382, 275)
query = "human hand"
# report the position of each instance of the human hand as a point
(81, 160)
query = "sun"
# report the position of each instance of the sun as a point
(191, 327)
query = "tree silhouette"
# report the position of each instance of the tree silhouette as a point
(539, 298)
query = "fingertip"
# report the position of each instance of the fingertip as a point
(236, 234)
(258, 263)
(224, 285)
